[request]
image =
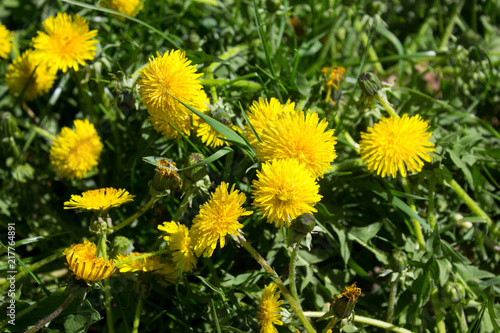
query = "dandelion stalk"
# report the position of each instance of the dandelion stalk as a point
(365, 320)
(438, 312)
(141, 211)
(392, 299)
(430, 208)
(137, 318)
(289, 297)
(53, 315)
(292, 275)
(416, 224)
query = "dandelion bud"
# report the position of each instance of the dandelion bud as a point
(126, 100)
(198, 172)
(273, 5)
(8, 124)
(344, 303)
(165, 178)
(301, 226)
(369, 83)
(398, 261)
(454, 292)
(122, 245)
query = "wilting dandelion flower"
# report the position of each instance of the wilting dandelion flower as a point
(127, 7)
(74, 153)
(66, 42)
(396, 144)
(84, 263)
(269, 313)
(301, 136)
(179, 242)
(171, 72)
(217, 218)
(19, 73)
(344, 302)
(262, 113)
(5, 41)
(334, 76)
(99, 200)
(284, 189)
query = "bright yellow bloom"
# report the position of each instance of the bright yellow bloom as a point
(171, 72)
(19, 73)
(66, 42)
(127, 7)
(301, 136)
(396, 144)
(82, 261)
(179, 241)
(262, 113)
(5, 41)
(100, 199)
(284, 190)
(217, 218)
(269, 313)
(334, 76)
(74, 153)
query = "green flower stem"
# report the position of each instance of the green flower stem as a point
(109, 309)
(474, 207)
(137, 318)
(53, 315)
(392, 299)
(382, 98)
(430, 208)
(331, 324)
(416, 224)
(38, 130)
(365, 320)
(289, 297)
(346, 165)
(13, 146)
(291, 275)
(451, 23)
(137, 214)
(462, 321)
(438, 312)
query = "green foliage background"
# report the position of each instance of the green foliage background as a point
(443, 57)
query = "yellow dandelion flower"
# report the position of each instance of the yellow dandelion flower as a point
(19, 73)
(84, 263)
(171, 72)
(269, 313)
(301, 136)
(100, 199)
(396, 144)
(344, 302)
(217, 218)
(334, 76)
(284, 190)
(66, 42)
(5, 41)
(262, 113)
(127, 7)
(74, 153)
(179, 241)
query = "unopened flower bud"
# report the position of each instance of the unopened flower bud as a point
(344, 303)
(369, 83)
(122, 245)
(165, 178)
(196, 173)
(301, 226)
(8, 124)
(454, 292)
(398, 261)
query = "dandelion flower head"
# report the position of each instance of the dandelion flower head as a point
(284, 189)
(217, 218)
(396, 144)
(179, 242)
(5, 41)
(66, 42)
(171, 72)
(262, 113)
(127, 7)
(302, 136)
(76, 152)
(269, 313)
(84, 263)
(19, 73)
(333, 77)
(99, 200)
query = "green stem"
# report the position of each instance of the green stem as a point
(332, 323)
(438, 312)
(462, 321)
(137, 214)
(346, 165)
(416, 224)
(430, 208)
(382, 99)
(293, 260)
(449, 27)
(289, 297)
(53, 315)
(137, 318)
(365, 320)
(109, 309)
(392, 299)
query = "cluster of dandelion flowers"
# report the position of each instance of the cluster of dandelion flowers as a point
(302, 136)
(74, 153)
(5, 41)
(66, 42)
(217, 218)
(166, 76)
(84, 263)
(179, 242)
(284, 189)
(269, 313)
(99, 200)
(396, 144)
(127, 7)
(19, 73)
(262, 113)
